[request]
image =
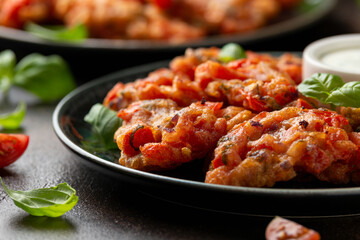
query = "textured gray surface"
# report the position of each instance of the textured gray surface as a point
(108, 209)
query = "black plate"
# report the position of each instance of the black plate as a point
(288, 22)
(184, 185)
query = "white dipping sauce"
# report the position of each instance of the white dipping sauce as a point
(345, 59)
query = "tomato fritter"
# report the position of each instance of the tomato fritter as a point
(226, 16)
(255, 85)
(158, 135)
(353, 115)
(277, 146)
(176, 83)
(258, 82)
(162, 83)
(124, 19)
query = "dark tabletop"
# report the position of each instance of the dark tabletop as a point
(110, 209)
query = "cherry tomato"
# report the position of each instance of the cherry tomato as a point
(12, 146)
(284, 229)
(10, 13)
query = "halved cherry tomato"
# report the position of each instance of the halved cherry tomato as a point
(12, 146)
(284, 229)
(10, 13)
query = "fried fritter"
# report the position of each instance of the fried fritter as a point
(353, 115)
(158, 135)
(254, 85)
(259, 82)
(123, 19)
(176, 83)
(277, 146)
(160, 84)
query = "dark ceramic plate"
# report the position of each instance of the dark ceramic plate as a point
(308, 13)
(184, 185)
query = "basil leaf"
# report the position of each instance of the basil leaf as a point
(348, 95)
(331, 89)
(13, 120)
(51, 202)
(105, 122)
(49, 78)
(7, 65)
(230, 52)
(320, 85)
(307, 6)
(77, 33)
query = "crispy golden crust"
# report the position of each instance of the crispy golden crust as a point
(353, 115)
(253, 85)
(162, 83)
(259, 82)
(276, 146)
(158, 135)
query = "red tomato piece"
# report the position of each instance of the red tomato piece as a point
(10, 16)
(163, 4)
(135, 138)
(284, 229)
(301, 103)
(217, 163)
(141, 136)
(112, 94)
(12, 146)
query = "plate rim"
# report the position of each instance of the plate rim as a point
(269, 31)
(118, 169)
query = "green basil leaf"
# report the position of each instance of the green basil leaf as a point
(49, 78)
(320, 85)
(7, 66)
(105, 122)
(77, 33)
(230, 52)
(348, 95)
(51, 202)
(14, 119)
(306, 6)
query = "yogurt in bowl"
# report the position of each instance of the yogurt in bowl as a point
(345, 59)
(339, 55)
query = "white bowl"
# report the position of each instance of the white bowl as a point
(339, 55)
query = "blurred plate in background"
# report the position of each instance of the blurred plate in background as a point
(96, 57)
